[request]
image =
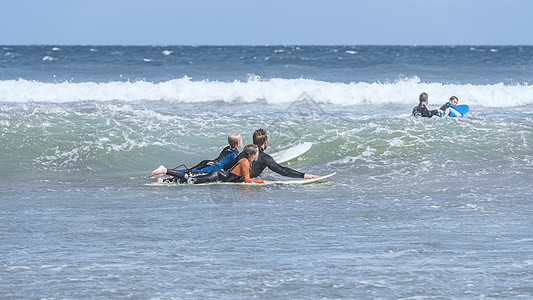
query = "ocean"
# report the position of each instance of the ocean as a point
(420, 207)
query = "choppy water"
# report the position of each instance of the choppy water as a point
(420, 208)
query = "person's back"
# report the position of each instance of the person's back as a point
(421, 109)
(243, 168)
(264, 160)
(234, 141)
(228, 150)
(225, 156)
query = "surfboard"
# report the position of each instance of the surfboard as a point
(303, 181)
(287, 182)
(291, 153)
(457, 111)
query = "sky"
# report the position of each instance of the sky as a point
(267, 22)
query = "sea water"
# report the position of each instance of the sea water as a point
(419, 208)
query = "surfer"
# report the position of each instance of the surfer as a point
(239, 173)
(451, 103)
(229, 152)
(421, 109)
(260, 139)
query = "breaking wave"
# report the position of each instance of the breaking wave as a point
(272, 91)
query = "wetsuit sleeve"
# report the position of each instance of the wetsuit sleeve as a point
(445, 106)
(217, 166)
(232, 162)
(429, 113)
(284, 171)
(433, 113)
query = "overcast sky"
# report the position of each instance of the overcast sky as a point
(266, 22)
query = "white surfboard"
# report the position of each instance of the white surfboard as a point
(291, 153)
(295, 181)
(303, 181)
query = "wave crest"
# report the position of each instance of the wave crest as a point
(272, 91)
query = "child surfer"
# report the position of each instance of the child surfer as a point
(451, 103)
(228, 153)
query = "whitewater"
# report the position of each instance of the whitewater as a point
(271, 91)
(419, 208)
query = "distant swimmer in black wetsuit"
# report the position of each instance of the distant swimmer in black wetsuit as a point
(205, 166)
(421, 109)
(264, 160)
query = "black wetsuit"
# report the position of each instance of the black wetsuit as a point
(214, 176)
(445, 106)
(422, 111)
(263, 161)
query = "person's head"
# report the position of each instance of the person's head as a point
(235, 140)
(454, 100)
(423, 98)
(251, 152)
(260, 138)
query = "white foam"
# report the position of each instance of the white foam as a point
(48, 58)
(273, 91)
(166, 52)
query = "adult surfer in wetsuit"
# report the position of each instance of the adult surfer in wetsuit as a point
(260, 138)
(421, 109)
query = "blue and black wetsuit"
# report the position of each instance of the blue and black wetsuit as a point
(217, 165)
(263, 161)
(210, 162)
(445, 110)
(422, 111)
(206, 166)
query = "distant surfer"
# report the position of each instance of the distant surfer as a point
(451, 103)
(229, 152)
(260, 139)
(421, 109)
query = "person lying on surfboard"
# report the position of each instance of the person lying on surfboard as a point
(260, 139)
(451, 103)
(421, 109)
(205, 166)
(239, 173)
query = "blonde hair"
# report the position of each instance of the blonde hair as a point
(234, 139)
